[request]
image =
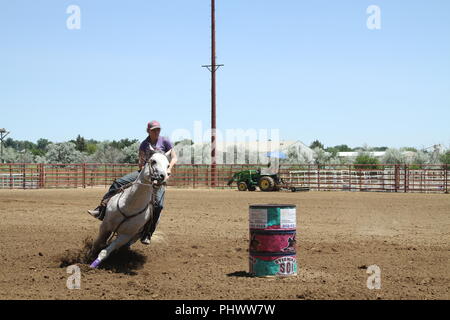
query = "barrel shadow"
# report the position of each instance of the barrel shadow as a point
(240, 274)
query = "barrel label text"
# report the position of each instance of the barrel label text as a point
(287, 218)
(258, 218)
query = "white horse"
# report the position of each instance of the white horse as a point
(128, 211)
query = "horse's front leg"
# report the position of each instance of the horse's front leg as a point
(100, 241)
(116, 244)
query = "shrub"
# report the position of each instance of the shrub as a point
(393, 156)
(445, 158)
(365, 158)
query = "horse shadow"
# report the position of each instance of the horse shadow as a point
(124, 260)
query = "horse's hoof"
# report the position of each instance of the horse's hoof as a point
(95, 263)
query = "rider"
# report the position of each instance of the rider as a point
(156, 142)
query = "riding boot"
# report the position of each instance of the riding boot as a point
(100, 211)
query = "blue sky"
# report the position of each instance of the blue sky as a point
(311, 69)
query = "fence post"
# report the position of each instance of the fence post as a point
(24, 176)
(44, 175)
(350, 177)
(318, 177)
(397, 177)
(194, 175)
(446, 177)
(39, 170)
(406, 182)
(10, 177)
(84, 175)
(360, 172)
(40, 175)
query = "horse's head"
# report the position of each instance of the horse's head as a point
(156, 168)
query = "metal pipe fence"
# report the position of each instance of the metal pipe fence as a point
(382, 178)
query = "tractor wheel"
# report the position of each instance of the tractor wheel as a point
(251, 188)
(242, 186)
(266, 184)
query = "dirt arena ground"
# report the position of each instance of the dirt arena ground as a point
(204, 255)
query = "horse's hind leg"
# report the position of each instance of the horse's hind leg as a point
(133, 240)
(116, 244)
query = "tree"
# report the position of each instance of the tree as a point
(343, 148)
(296, 156)
(419, 159)
(379, 148)
(107, 154)
(91, 148)
(80, 144)
(185, 151)
(123, 143)
(365, 158)
(339, 148)
(9, 155)
(25, 156)
(65, 152)
(393, 156)
(321, 156)
(10, 142)
(131, 153)
(445, 158)
(37, 152)
(365, 148)
(41, 147)
(316, 144)
(409, 149)
(435, 157)
(42, 144)
(187, 142)
(19, 145)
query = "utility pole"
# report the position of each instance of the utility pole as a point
(3, 134)
(213, 68)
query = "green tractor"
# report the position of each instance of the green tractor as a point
(250, 179)
(267, 179)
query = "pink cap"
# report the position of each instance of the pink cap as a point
(153, 125)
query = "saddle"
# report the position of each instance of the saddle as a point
(104, 202)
